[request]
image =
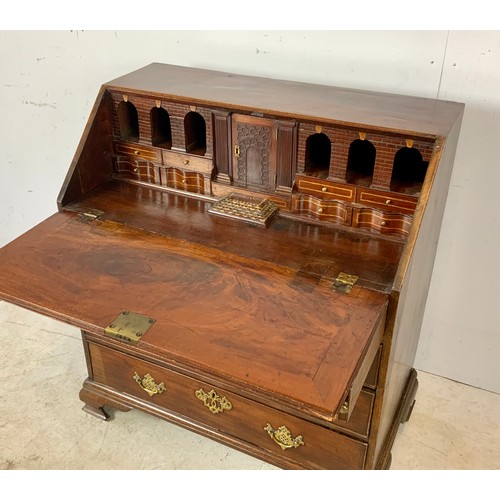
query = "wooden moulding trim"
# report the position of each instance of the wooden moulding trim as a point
(419, 215)
(224, 106)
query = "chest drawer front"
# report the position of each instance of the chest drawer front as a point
(227, 412)
(187, 161)
(330, 210)
(380, 221)
(138, 151)
(326, 189)
(389, 201)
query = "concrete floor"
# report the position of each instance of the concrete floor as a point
(42, 426)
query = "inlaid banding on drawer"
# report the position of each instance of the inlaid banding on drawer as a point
(186, 161)
(388, 200)
(331, 210)
(138, 151)
(326, 189)
(246, 420)
(386, 223)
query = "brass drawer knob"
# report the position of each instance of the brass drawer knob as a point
(136, 169)
(324, 189)
(283, 437)
(183, 181)
(148, 384)
(320, 210)
(383, 223)
(387, 202)
(214, 402)
(136, 152)
(186, 162)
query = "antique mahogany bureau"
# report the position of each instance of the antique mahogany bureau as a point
(248, 258)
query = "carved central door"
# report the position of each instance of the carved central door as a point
(254, 152)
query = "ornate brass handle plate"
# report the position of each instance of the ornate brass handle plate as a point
(283, 437)
(148, 384)
(213, 401)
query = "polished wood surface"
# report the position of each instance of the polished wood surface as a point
(389, 112)
(318, 251)
(234, 316)
(245, 419)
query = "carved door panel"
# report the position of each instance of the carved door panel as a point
(254, 152)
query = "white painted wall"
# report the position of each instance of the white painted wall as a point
(49, 80)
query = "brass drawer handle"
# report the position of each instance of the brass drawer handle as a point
(148, 384)
(324, 189)
(213, 401)
(283, 437)
(387, 202)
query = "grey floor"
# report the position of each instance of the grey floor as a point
(453, 426)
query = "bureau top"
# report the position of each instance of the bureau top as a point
(382, 111)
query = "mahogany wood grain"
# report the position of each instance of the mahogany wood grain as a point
(356, 108)
(92, 163)
(325, 189)
(380, 221)
(245, 420)
(373, 259)
(316, 208)
(233, 316)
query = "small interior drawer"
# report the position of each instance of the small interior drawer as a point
(325, 188)
(188, 162)
(138, 151)
(389, 201)
(381, 221)
(330, 210)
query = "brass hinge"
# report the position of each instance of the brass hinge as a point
(344, 282)
(90, 215)
(129, 326)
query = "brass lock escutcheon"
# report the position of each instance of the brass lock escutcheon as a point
(283, 437)
(214, 402)
(237, 151)
(148, 384)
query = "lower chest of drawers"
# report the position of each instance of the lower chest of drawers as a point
(270, 433)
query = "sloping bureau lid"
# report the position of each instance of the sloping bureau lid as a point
(233, 318)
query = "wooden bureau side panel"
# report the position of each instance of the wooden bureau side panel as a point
(92, 163)
(323, 448)
(408, 300)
